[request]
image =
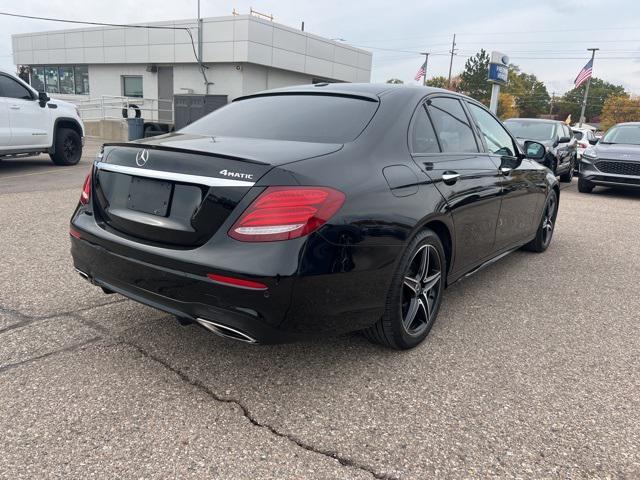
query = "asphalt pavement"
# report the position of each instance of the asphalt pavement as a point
(531, 371)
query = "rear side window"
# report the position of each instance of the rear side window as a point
(452, 125)
(423, 136)
(577, 134)
(302, 118)
(11, 89)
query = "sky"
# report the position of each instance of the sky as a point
(546, 38)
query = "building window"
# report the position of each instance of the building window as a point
(81, 75)
(61, 79)
(65, 74)
(37, 78)
(51, 79)
(132, 86)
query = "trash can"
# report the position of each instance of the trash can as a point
(136, 128)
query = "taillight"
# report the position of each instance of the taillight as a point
(582, 145)
(284, 213)
(86, 189)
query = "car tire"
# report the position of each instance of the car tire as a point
(584, 185)
(68, 147)
(568, 175)
(414, 295)
(544, 234)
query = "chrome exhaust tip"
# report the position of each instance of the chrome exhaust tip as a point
(83, 275)
(226, 332)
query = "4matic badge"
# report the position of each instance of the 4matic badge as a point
(227, 173)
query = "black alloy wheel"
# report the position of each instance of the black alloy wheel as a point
(568, 175)
(420, 290)
(68, 147)
(414, 295)
(547, 225)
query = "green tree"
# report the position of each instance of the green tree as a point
(599, 92)
(473, 80)
(531, 95)
(395, 81)
(438, 82)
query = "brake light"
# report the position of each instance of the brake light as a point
(284, 213)
(86, 189)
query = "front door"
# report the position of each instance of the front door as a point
(469, 180)
(521, 189)
(29, 121)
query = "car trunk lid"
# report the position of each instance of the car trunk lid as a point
(178, 191)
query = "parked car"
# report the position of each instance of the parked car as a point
(32, 123)
(556, 136)
(584, 137)
(313, 209)
(614, 161)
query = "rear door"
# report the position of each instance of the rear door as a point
(446, 148)
(5, 127)
(29, 121)
(521, 189)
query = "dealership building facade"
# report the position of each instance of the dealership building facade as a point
(241, 54)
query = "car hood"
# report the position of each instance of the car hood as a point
(62, 104)
(617, 151)
(258, 150)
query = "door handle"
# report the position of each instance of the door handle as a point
(450, 177)
(506, 171)
(15, 107)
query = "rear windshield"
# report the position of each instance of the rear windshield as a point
(302, 118)
(577, 134)
(531, 130)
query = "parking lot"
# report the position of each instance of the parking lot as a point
(532, 370)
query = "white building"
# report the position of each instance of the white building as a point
(243, 53)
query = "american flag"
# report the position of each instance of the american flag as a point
(584, 74)
(422, 72)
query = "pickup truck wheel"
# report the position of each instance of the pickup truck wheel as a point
(68, 147)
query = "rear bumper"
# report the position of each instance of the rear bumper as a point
(590, 172)
(331, 294)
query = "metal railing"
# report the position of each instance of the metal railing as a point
(108, 107)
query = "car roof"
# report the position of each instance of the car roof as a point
(367, 90)
(637, 124)
(536, 120)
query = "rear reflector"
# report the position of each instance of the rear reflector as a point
(236, 282)
(284, 213)
(86, 189)
(74, 233)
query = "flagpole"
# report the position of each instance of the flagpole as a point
(586, 90)
(426, 60)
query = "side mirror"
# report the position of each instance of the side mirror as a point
(594, 141)
(564, 139)
(43, 98)
(534, 150)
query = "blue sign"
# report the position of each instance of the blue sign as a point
(498, 73)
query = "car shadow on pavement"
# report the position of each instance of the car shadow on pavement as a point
(619, 192)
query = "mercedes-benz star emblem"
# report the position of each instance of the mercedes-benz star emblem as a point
(142, 157)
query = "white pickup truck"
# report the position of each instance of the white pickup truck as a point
(32, 123)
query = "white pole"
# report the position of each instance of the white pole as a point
(495, 93)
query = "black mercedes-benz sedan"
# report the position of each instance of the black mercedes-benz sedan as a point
(614, 161)
(317, 209)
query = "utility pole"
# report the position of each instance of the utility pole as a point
(426, 60)
(586, 90)
(452, 52)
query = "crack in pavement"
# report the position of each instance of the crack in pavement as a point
(246, 412)
(68, 348)
(24, 320)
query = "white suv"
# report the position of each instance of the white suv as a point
(32, 123)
